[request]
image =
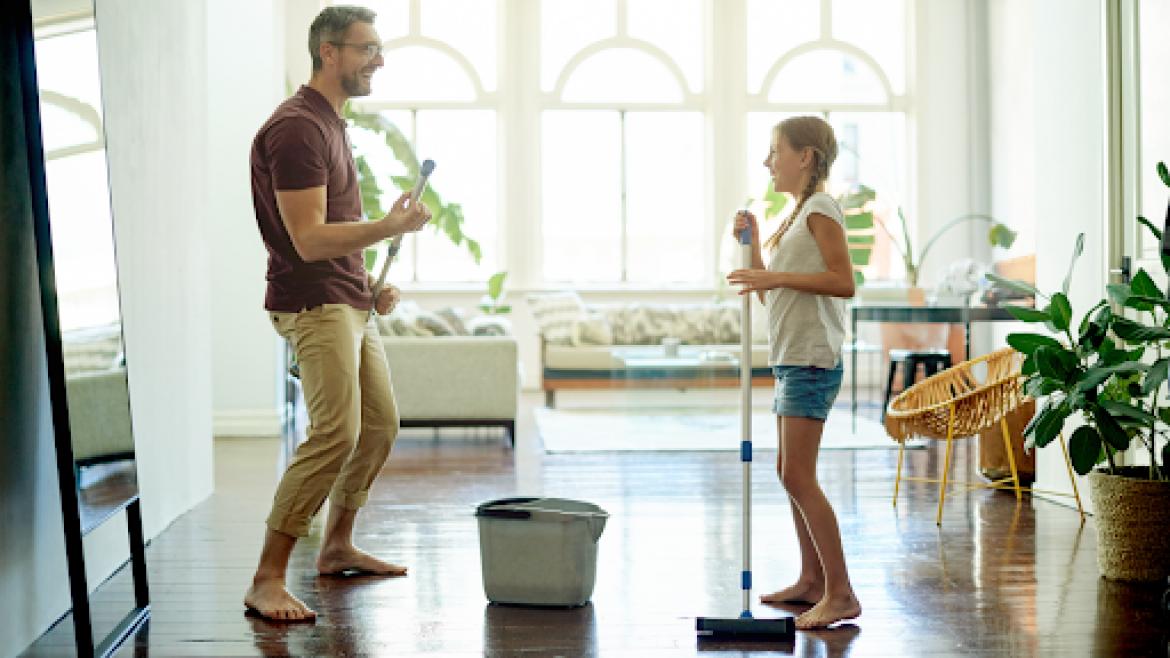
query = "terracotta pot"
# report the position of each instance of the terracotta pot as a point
(1133, 524)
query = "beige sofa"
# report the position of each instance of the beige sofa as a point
(621, 345)
(443, 381)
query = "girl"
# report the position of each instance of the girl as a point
(805, 283)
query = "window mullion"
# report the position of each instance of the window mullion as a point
(625, 215)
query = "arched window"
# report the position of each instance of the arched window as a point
(439, 87)
(74, 143)
(847, 61)
(623, 192)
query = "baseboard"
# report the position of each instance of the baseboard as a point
(246, 423)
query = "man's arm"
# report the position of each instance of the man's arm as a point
(303, 212)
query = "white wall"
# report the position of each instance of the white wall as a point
(1069, 133)
(245, 62)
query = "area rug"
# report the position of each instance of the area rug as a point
(669, 429)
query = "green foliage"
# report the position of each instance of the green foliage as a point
(492, 302)
(1093, 369)
(446, 218)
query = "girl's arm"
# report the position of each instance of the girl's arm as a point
(835, 281)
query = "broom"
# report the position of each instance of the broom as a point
(746, 627)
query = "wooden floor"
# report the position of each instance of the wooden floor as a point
(998, 579)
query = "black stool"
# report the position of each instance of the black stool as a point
(932, 361)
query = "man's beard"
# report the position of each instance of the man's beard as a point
(354, 85)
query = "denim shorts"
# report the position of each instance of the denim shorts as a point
(806, 391)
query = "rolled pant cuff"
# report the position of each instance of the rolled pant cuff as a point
(289, 525)
(349, 501)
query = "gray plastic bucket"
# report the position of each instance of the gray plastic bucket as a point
(539, 551)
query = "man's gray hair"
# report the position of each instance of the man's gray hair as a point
(331, 24)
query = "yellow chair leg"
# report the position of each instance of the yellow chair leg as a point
(1011, 455)
(1072, 478)
(942, 487)
(898, 478)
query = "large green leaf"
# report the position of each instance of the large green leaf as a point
(1155, 376)
(1164, 174)
(1027, 343)
(1037, 386)
(1153, 229)
(1060, 311)
(1077, 249)
(1144, 286)
(1084, 447)
(1092, 337)
(1111, 431)
(1027, 314)
(495, 284)
(1055, 362)
(1048, 423)
(1119, 293)
(774, 202)
(1096, 375)
(1088, 317)
(1134, 332)
(1143, 303)
(1001, 236)
(1120, 409)
(861, 221)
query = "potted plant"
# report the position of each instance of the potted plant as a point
(492, 303)
(1109, 371)
(446, 218)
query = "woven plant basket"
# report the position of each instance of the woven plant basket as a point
(1133, 524)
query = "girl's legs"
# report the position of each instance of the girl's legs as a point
(800, 442)
(810, 585)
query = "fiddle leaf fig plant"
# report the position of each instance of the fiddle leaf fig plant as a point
(1106, 369)
(446, 217)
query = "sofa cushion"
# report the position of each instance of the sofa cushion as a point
(592, 329)
(555, 313)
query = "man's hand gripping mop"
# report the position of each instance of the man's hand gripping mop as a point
(424, 172)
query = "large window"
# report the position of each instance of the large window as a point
(623, 196)
(71, 118)
(439, 87)
(624, 129)
(846, 61)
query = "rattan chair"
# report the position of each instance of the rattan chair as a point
(958, 403)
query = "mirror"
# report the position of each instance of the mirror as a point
(83, 263)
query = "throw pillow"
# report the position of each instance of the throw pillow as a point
(456, 318)
(490, 325)
(593, 329)
(555, 314)
(431, 324)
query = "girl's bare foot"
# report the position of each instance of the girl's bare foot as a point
(829, 611)
(340, 560)
(269, 599)
(804, 591)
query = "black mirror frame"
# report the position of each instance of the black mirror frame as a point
(67, 478)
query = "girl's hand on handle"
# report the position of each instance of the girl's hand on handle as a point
(752, 280)
(743, 219)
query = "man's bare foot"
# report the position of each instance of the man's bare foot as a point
(349, 559)
(829, 611)
(269, 599)
(803, 591)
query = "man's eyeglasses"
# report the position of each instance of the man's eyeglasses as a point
(370, 50)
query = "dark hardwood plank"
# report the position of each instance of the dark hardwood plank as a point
(998, 579)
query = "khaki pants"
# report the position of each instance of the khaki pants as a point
(353, 419)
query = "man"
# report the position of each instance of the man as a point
(305, 192)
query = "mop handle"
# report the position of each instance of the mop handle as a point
(424, 173)
(745, 405)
